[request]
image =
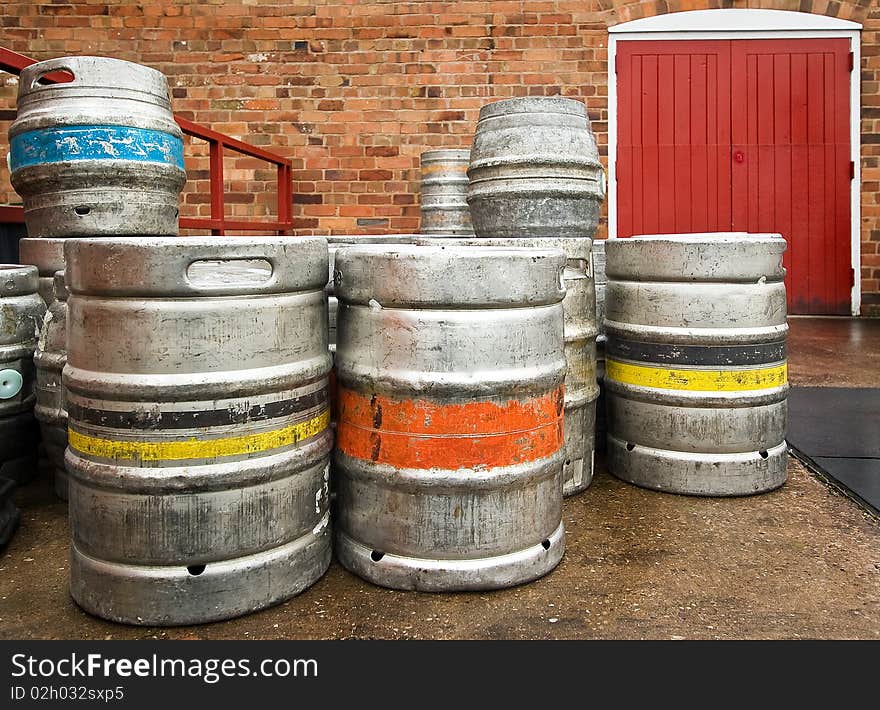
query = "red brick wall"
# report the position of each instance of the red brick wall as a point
(354, 90)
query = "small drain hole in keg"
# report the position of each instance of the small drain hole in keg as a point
(629, 446)
(82, 210)
(763, 454)
(375, 555)
(195, 570)
(545, 544)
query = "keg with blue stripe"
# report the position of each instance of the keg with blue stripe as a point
(695, 371)
(98, 155)
(21, 313)
(198, 413)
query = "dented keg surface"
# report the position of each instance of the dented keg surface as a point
(695, 375)
(98, 155)
(49, 359)
(579, 332)
(600, 279)
(443, 194)
(535, 170)
(198, 432)
(343, 240)
(449, 450)
(48, 256)
(21, 313)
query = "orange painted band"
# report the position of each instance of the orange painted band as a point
(422, 434)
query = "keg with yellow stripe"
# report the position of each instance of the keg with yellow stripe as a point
(695, 371)
(449, 455)
(198, 424)
(443, 192)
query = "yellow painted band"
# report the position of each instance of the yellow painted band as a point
(198, 449)
(697, 380)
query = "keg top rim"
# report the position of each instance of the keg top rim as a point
(80, 65)
(18, 279)
(440, 153)
(414, 250)
(532, 104)
(354, 239)
(701, 238)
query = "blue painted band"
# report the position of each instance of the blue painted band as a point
(69, 143)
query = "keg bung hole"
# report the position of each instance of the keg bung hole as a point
(82, 210)
(545, 544)
(195, 570)
(630, 446)
(375, 555)
(763, 453)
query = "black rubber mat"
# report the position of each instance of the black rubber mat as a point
(837, 429)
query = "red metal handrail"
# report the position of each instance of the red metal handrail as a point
(13, 62)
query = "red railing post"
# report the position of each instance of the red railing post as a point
(218, 208)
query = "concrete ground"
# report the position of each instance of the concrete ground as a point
(800, 562)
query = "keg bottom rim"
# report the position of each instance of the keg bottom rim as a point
(706, 474)
(425, 575)
(227, 589)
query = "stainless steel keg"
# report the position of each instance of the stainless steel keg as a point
(98, 155)
(443, 194)
(50, 358)
(695, 373)
(579, 332)
(48, 256)
(21, 313)
(600, 280)
(198, 431)
(449, 452)
(535, 170)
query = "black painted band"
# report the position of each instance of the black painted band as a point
(709, 355)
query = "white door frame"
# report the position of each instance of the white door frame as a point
(745, 24)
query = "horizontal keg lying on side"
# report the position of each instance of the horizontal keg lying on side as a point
(449, 450)
(695, 371)
(21, 313)
(98, 155)
(579, 332)
(48, 256)
(443, 194)
(535, 170)
(198, 431)
(50, 359)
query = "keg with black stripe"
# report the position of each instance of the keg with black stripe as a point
(449, 449)
(535, 170)
(98, 155)
(48, 256)
(50, 358)
(443, 193)
(579, 333)
(198, 431)
(695, 371)
(21, 313)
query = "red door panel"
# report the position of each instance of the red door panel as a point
(793, 178)
(743, 135)
(673, 161)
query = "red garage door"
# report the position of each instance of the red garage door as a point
(742, 135)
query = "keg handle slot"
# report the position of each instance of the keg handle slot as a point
(52, 66)
(230, 272)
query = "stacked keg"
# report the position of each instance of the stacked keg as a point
(443, 194)
(199, 437)
(450, 368)
(599, 278)
(98, 155)
(695, 375)
(535, 175)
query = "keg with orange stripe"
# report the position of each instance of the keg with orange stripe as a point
(450, 369)
(199, 441)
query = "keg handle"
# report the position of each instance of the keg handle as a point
(31, 75)
(206, 278)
